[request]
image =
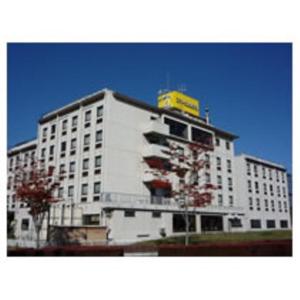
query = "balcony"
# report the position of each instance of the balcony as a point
(155, 127)
(154, 150)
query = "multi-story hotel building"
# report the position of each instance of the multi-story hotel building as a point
(102, 142)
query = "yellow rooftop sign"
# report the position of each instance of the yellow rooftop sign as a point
(180, 101)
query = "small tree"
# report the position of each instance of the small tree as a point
(191, 191)
(35, 187)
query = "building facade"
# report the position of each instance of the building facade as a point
(262, 190)
(102, 143)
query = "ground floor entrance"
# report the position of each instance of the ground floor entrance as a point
(211, 223)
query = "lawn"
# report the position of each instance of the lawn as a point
(224, 237)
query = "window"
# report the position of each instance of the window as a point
(249, 186)
(156, 214)
(43, 152)
(98, 161)
(88, 115)
(273, 205)
(270, 174)
(266, 205)
(179, 223)
(93, 219)
(84, 189)
(228, 165)
(283, 224)
(285, 206)
(45, 132)
(255, 171)
(271, 190)
(264, 172)
(87, 139)
(283, 177)
(98, 136)
(72, 167)
(278, 191)
(219, 180)
(74, 121)
(11, 162)
(129, 213)
(201, 136)
(207, 161)
(227, 145)
(85, 164)
(207, 177)
(63, 146)
(248, 169)
(220, 200)
(277, 176)
(25, 224)
(177, 128)
(53, 128)
(73, 143)
(230, 184)
(99, 111)
(271, 224)
(255, 223)
(279, 206)
(231, 201)
(217, 142)
(265, 189)
(256, 187)
(257, 204)
(194, 177)
(219, 163)
(284, 192)
(64, 125)
(62, 168)
(51, 152)
(97, 186)
(60, 192)
(71, 191)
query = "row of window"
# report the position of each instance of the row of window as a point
(264, 172)
(256, 223)
(85, 165)
(228, 164)
(229, 183)
(84, 190)
(73, 145)
(265, 189)
(74, 123)
(218, 143)
(17, 160)
(230, 200)
(266, 205)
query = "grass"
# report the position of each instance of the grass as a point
(224, 237)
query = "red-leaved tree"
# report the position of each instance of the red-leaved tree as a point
(188, 165)
(35, 187)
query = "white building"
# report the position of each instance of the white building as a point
(262, 190)
(18, 221)
(102, 142)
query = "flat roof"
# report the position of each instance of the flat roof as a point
(261, 161)
(132, 101)
(22, 147)
(196, 121)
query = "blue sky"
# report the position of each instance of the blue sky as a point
(248, 87)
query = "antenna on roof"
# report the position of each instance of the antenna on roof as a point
(167, 88)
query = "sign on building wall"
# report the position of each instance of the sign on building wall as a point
(180, 101)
